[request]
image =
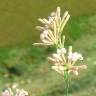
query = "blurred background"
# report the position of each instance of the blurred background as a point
(26, 66)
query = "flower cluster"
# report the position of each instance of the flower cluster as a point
(10, 92)
(52, 28)
(66, 62)
(52, 35)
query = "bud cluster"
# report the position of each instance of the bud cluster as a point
(53, 27)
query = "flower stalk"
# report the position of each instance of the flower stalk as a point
(67, 82)
(63, 60)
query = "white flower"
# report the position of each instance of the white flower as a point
(6, 93)
(44, 35)
(53, 27)
(59, 69)
(61, 51)
(47, 37)
(75, 69)
(19, 92)
(61, 63)
(75, 56)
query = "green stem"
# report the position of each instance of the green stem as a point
(67, 83)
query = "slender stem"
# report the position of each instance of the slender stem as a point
(67, 86)
(67, 83)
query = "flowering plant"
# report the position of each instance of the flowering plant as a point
(63, 61)
(18, 92)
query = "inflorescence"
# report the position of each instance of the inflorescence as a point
(62, 60)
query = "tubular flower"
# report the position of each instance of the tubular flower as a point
(63, 63)
(53, 27)
(19, 92)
